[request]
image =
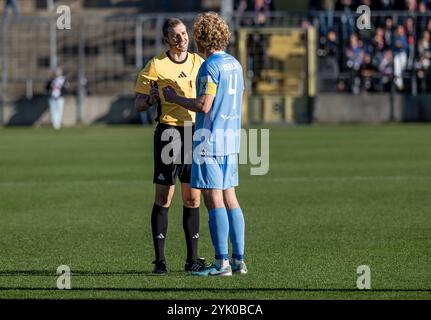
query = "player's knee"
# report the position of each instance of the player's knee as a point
(191, 202)
(212, 203)
(163, 196)
(229, 198)
(231, 203)
(163, 200)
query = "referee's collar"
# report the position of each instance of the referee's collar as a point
(177, 62)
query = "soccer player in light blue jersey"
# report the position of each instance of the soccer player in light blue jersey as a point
(216, 142)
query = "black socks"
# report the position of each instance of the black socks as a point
(159, 227)
(191, 231)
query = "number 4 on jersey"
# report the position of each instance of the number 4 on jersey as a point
(232, 88)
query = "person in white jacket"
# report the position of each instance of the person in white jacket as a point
(55, 88)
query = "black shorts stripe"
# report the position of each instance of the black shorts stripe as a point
(167, 173)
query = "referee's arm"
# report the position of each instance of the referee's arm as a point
(201, 104)
(142, 102)
(146, 88)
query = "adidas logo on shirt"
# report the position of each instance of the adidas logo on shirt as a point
(182, 75)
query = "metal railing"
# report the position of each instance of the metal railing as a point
(99, 54)
(102, 55)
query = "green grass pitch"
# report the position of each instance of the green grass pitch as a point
(335, 197)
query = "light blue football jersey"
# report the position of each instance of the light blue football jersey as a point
(221, 76)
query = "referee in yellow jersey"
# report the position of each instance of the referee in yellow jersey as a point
(178, 68)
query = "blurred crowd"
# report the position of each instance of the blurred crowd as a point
(261, 8)
(395, 50)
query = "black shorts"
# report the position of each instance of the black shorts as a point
(177, 160)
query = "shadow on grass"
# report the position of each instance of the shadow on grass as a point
(48, 273)
(45, 273)
(117, 289)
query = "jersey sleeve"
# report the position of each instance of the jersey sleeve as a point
(208, 81)
(146, 75)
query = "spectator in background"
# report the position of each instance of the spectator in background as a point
(331, 45)
(386, 70)
(55, 89)
(11, 5)
(368, 3)
(423, 73)
(387, 4)
(355, 54)
(262, 15)
(379, 35)
(401, 51)
(378, 47)
(424, 45)
(400, 5)
(325, 13)
(262, 11)
(421, 17)
(367, 72)
(330, 52)
(411, 6)
(411, 36)
(347, 19)
(367, 34)
(424, 61)
(410, 30)
(422, 7)
(389, 31)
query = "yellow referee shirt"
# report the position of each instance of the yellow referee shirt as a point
(179, 75)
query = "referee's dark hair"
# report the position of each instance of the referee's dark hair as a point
(170, 23)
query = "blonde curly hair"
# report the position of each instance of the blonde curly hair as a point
(211, 31)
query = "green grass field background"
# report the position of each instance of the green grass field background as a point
(335, 197)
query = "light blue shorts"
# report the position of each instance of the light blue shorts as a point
(216, 172)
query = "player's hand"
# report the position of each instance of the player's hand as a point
(154, 93)
(169, 93)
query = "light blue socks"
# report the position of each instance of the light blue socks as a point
(219, 229)
(236, 232)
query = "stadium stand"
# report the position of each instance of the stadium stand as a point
(396, 48)
(107, 42)
(111, 40)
